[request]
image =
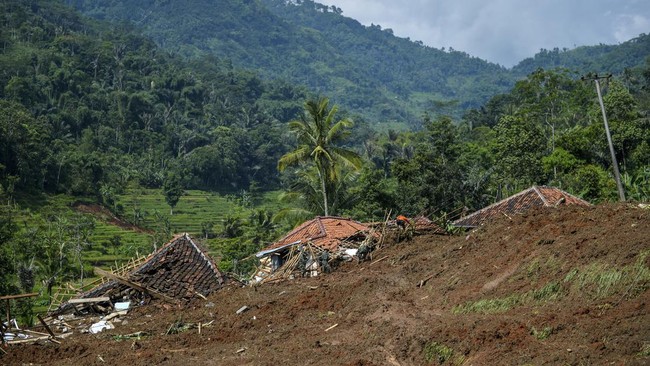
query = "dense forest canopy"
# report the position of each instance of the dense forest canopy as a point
(91, 110)
(365, 69)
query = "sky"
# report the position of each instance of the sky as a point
(504, 31)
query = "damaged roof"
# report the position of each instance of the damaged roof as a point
(536, 196)
(326, 232)
(425, 224)
(180, 269)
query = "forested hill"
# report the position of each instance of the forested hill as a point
(600, 58)
(86, 109)
(365, 69)
(368, 70)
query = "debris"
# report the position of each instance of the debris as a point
(179, 327)
(208, 323)
(423, 281)
(332, 327)
(351, 252)
(45, 325)
(89, 300)
(378, 260)
(100, 326)
(242, 309)
(122, 305)
(209, 305)
(134, 285)
(136, 336)
(241, 350)
(114, 315)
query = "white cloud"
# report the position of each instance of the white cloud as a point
(504, 31)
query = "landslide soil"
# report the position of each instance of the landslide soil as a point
(384, 317)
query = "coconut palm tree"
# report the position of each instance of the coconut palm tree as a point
(317, 136)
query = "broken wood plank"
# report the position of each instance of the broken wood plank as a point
(29, 340)
(332, 327)
(424, 281)
(378, 260)
(115, 314)
(89, 300)
(135, 285)
(45, 325)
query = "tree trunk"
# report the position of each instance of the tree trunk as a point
(322, 185)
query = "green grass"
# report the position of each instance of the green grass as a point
(600, 280)
(541, 334)
(441, 353)
(596, 281)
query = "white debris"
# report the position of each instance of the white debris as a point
(100, 326)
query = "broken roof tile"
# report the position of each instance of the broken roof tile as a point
(536, 196)
(326, 232)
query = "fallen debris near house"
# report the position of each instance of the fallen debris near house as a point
(315, 247)
(536, 196)
(176, 272)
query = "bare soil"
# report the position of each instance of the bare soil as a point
(376, 312)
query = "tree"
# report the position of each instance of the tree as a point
(317, 136)
(520, 145)
(173, 191)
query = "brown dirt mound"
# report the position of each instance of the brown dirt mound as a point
(559, 286)
(104, 214)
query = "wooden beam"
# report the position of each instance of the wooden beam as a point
(45, 325)
(134, 285)
(19, 296)
(90, 299)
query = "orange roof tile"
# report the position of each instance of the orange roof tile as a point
(326, 232)
(536, 196)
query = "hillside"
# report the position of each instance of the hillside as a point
(598, 59)
(553, 286)
(366, 69)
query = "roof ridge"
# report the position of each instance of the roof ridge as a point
(496, 204)
(541, 196)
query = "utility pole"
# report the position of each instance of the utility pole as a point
(617, 175)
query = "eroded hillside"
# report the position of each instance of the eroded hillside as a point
(554, 286)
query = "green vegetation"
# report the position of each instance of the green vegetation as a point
(440, 353)
(318, 135)
(541, 334)
(101, 128)
(596, 281)
(600, 281)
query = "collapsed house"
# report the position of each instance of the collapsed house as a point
(311, 247)
(178, 271)
(424, 224)
(536, 196)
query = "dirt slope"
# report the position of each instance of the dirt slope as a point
(559, 286)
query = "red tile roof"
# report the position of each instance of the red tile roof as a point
(326, 232)
(536, 196)
(424, 223)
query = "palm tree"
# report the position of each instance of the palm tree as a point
(317, 135)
